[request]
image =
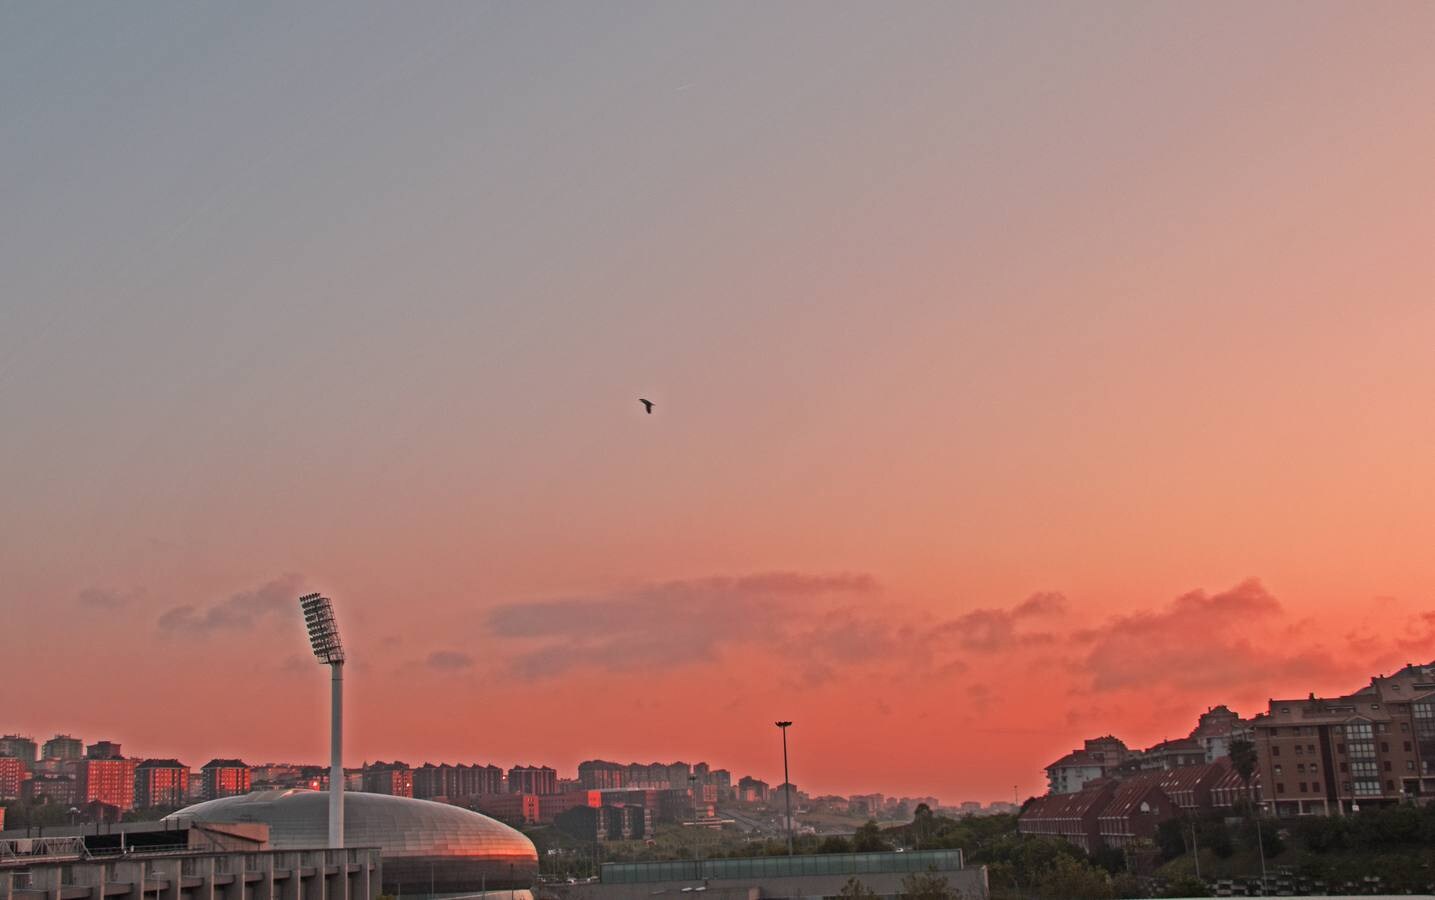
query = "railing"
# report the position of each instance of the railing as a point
(42, 847)
(783, 866)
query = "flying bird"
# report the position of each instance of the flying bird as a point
(647, 405)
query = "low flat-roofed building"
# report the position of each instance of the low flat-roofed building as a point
(209, 861)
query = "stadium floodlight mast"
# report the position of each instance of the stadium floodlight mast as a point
(329, 650)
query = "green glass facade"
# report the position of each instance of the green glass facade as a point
(783, 866)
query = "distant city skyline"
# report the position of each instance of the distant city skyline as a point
(1021, 373)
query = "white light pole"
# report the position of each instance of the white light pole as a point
(329, 650)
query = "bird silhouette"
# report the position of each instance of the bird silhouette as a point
(647, 405)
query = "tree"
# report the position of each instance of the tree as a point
(856, 890)
(928, 886)
(869, 838)
(1072, 879)
(1171, 838)
(923, 825)
(1243, 760)
(834, 843)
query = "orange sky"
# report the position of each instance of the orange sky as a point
(1021, 375)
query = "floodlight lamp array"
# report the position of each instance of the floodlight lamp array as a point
(323, 630)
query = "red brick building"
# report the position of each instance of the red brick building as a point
(50, 787)
(12, 775)
(1136, 809)
(161, 783)
(107, 781)
(1071, 817)
(1375, 747)
(225, 778)
(551, 806)
(514, 809)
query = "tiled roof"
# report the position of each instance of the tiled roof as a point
(1076, 758)
(1130, 793)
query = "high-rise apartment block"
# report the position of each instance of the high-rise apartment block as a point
(225, 778)
(161, 783)
(12, 776)
(600, 775)
(532, 780)
(456, 783)
(63, 746)
(395, 779)
(106, 780)
(21, 747)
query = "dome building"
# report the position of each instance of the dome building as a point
(455, 850)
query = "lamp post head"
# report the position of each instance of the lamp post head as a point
(323, 630)
(782, 724)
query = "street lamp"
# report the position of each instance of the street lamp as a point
(786, 783)
(329, 650)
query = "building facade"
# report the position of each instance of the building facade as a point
(224, 778)
(456, 784)
(1097, 758)
(22, 748)
(532, 780)
(395, 779)
(1328, 756)
(63, 747)
(49, 787)
(104, 750)
(599, 775)
(161, 783)
(105, 780)
(12, 777)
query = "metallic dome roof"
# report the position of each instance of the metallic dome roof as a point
(420, 839)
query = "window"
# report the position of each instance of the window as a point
(1339, 748)
(1363, 767)
(1315, 786)
(1407, 746)
(1387, 765)
(1278, 769)
(1310, 748)
(1410, 765)
(1300, 767)
(1344, 767)
(1404, 727)
(1275, 751)
(1383, 728)
(1302, 787)
(1280, 787)
(1367, 788)
(1390, 786)
(1384, 746)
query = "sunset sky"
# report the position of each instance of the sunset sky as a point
(1024, 373)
